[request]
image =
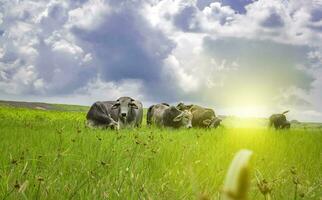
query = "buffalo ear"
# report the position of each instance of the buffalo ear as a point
(206, 122)
(133, 105)
(180, 104)
(178, 118)
(115, 106)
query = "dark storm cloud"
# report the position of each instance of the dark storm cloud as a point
(274, 20)
(201, 4)
(57, 15)
(316, 15)
(185, 19)
(62, 74)
(315, 27)
(125, 46)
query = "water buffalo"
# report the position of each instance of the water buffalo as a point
(279, 121)
(202, 117)
(127, 112)
(168, 116)
(99, 115)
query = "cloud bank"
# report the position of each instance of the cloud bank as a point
(264, 55)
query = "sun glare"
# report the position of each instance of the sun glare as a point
(249, 111)
(248, 102)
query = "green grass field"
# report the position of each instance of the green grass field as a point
(51, 155)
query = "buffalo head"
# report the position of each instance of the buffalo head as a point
(125, 106)
(185, 117)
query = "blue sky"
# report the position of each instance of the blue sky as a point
(241, 57)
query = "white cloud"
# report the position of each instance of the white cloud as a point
(1, 52)
(66, 47)
(25, 75)
(160, 13)
(218, 14)
(99, 90)
(176, 74)
(88, 16)
(282, 21)
(88, 57)
(1, 18)
(315, 58)
(21, 82)
(35, 35)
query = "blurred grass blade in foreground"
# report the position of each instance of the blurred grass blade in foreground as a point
(237, 178)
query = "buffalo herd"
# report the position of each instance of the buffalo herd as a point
(126, 112)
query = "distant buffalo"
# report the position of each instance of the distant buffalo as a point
(99, 115)
(279, 121)
(122, 113)
(164, 115)
(202, 117)
(128, 112)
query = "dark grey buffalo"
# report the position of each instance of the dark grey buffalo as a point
(279, 121)
(202, 117)
(128, 112)
(163, 115)
(99, 115)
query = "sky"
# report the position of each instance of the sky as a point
(240, 57)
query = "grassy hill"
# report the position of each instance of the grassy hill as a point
(44, 106)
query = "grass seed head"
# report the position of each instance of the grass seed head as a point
(264, 187)
(14, 162)
(40, 179)
(296, 180)
(24, 186)
(142, 188)
(16, 185)
(103, 163)
(293, 170)
(203, 196)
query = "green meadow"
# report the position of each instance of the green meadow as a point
(52, 155)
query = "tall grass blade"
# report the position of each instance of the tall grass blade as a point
(237, 178)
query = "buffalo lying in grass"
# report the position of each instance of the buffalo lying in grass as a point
(122, 113)
(164, 115)
(202, 117)
(279, 121)
(99, 115)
